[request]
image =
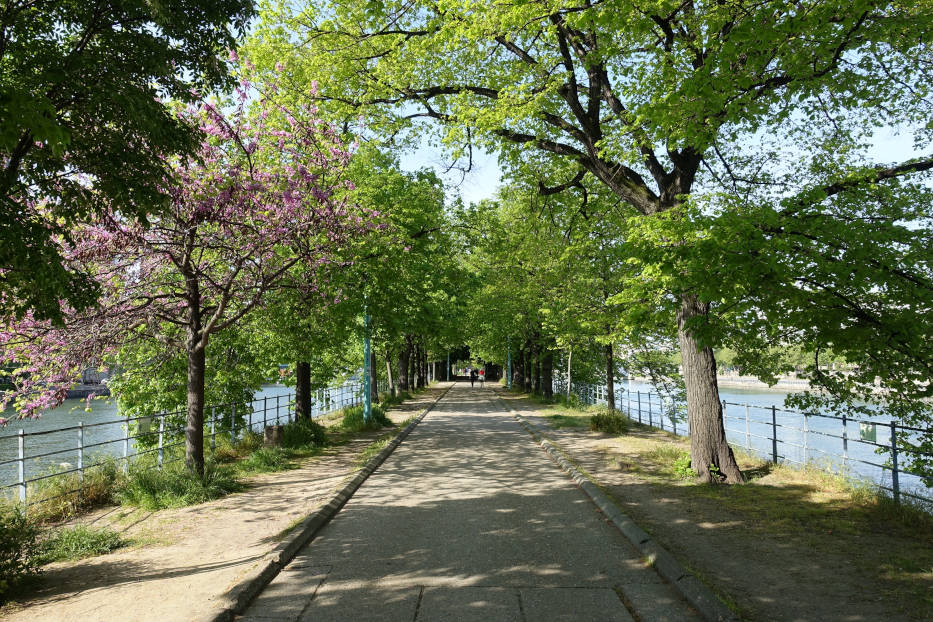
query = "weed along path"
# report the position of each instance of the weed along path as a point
(469, 520)
(184, 560)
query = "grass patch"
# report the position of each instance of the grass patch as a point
(65, 496)
(352, 420)
(608, 421)
(78, 542)
(568, 420)
(266, 460)
(290, 528)
(394, 400)
(304, 433)
(374, 448)
(227, 451)
(174, 486)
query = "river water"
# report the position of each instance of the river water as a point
(102, 424)
(859, 448)
(826, 442)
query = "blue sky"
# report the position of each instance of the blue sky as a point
(485, 178)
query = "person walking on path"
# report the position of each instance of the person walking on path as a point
(482, 377)
(472, 376)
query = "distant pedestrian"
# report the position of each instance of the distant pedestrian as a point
(472, 376)
(482, 377)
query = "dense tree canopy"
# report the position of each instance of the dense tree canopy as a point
(660, 103)
(682, 178)
(83, 127)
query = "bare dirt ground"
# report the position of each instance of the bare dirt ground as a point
(770, 563)
(190, 556)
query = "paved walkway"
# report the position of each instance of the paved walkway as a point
(468, 520)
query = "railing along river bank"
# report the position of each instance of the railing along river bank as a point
(28, 458)
(859, 448)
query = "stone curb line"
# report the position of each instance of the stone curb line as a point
(692, 589)
(236, 600)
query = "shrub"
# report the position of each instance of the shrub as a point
(609, 421)
(227, 450)
(304, 433)
(19, 548)
(265, 460)
(175, 486)
(78, 542)
(353, 419)
(57, 498)
(682, 467)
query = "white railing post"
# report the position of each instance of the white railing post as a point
(894, 472)
(806, 438)
(845, 443)
(126, 447)
(21, 464)
(80, 451)
(161, 444)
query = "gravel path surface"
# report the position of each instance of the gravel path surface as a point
(469, 520)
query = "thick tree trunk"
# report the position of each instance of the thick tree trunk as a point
(303, 390)
(547, 374)
(403, 360)
(389, 373)
(422, 379)
(374, 377)
(194, 422)
(710, 454)
(518, 369)
(610, 379)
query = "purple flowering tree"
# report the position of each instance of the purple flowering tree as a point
(261, 201)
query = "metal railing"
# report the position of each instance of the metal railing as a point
(156, 434)
(836, 444)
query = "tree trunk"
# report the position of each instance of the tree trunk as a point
(303, 390)
(389, 373)
(518, 369)
(419, 367)
(710, 454)
(536, 380)
(569, 383)
(403, 359)
(424, 365)
(528, 371)
(374, 377)
(610, 379)
(194, 422)
(547, 374)
(412, 358)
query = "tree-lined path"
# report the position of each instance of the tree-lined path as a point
(469, 520)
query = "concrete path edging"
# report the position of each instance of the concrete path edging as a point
(692, 589)
(236, 599)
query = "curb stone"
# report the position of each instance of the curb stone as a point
(237, 598)
(688, 586)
